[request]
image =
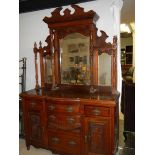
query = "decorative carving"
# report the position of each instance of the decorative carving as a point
(101, 44)
(47, 48)
(40, 44)
(35, 45)
(96, 138)
(78, 22)
(35, 127)
(79, 14)
(67, 12)
(35, 119)
(56, 12)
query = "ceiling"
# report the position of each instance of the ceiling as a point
(127, 12)
(34, 5)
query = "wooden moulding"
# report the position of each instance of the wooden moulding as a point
(79, 14)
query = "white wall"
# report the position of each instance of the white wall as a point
(32, 28)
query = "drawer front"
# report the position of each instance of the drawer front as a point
(35, 105)
(97, 111)
(64, 121)
(63, 142)
(65, 108)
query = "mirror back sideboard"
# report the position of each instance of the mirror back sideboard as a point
(74, 109)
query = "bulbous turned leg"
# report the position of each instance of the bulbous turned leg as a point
(28, 147)
(125, 136)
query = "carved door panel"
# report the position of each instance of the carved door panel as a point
(97, 136)
(35, 127)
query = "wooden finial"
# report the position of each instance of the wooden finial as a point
(35, 45)
(115, 39)
(40, 44)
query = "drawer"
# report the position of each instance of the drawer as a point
(64, 121)
(64, 108)
(64, 142)
(34, 105)
(97, 111)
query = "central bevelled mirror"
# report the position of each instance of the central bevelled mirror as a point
(74, 59)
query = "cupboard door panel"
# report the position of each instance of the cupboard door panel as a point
(97, 134)
(35, 127)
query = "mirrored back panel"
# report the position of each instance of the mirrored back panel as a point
(104, 69)
(75, 54)
(74, 59)
(48, 69)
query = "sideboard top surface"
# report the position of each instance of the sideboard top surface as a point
(71, 94)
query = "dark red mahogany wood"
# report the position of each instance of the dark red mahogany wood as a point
(72, 120)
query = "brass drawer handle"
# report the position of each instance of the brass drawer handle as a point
(72, 143)
(96, 112)
(55, 140)
(51, 107)
(69, 109)
(32, 104)
(52, 117)
(70, 120)
(87, 138)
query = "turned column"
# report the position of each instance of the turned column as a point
(42, 72)
(114, 64)
(36, 65)
(52, 59)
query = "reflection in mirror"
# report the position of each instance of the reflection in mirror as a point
(75, 65)
(48, 70)
(104, 69)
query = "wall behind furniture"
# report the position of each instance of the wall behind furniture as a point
(32, 28)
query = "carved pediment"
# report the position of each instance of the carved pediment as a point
(101, 45)
(79, 14)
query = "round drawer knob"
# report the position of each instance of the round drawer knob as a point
(96, 112)
(55, 140)
(52, 117)
(51, 107)
(69, 109)
(33, 104)
(70, 120)
(72, 143)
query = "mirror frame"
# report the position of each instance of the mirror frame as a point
(78, 22)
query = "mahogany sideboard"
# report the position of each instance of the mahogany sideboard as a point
(73, 110)
(71, 122)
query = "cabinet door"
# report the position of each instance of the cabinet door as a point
(97, 136)
(35, 127)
